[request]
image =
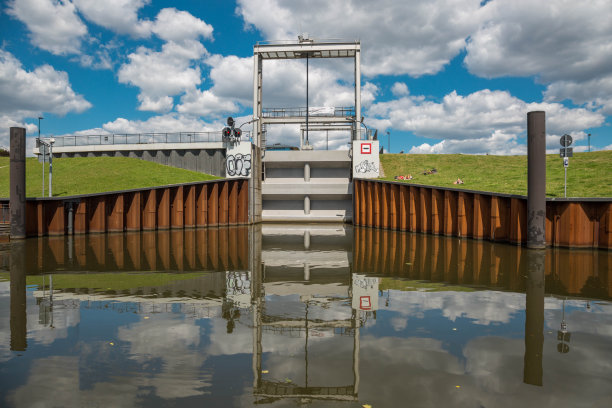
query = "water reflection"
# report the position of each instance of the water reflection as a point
(480, 263)
(301, 314)
(319, 315)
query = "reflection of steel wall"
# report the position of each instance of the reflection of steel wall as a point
(482, 263)
(206, 249)
(478, 214)
(223, 202)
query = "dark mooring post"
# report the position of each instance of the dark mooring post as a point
(534, 318)
(18, 297)
(536, 180)
(17, 194)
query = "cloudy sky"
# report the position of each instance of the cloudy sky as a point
(441, 76)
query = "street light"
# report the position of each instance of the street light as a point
(41, 146)
(389, 139)
(51, 141)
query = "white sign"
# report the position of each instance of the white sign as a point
(365, 293)
(238, 160)
(366, 163)
(238, 288)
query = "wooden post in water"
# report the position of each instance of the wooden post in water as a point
(18, 296)
(18, 183)
(536, 180)
(534, 318)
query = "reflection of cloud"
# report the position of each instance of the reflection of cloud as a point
(240, 341)
(597, 321)
(419, 370)
(173, 340)
(399, 323)
(329, 362)
(38, 320)
(570, 380)
(484, 307)
(54, 381)
(5, 328)
(65, 314)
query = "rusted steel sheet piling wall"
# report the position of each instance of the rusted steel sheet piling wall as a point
(585, 223)
(223, 202)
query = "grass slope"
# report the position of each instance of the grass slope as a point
(109, 281)
(588, 175)
(96, 174)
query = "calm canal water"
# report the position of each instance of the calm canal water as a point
(282, 315)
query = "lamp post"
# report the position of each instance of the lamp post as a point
(41, 146)
(389, 140)
(589, 143)
(51, 141)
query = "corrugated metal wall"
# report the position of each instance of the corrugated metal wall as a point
(223, 202)
(475, 214)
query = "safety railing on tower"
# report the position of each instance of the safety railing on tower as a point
(326, 111)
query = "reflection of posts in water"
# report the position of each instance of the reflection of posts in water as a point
(272, 390)
(18, 297)
(256, 267)
(534, 318)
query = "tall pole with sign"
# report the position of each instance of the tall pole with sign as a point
(42, 147)
(566, 152)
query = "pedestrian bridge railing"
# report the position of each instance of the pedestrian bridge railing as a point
(139, 138)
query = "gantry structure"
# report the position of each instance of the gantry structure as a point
(328, 118)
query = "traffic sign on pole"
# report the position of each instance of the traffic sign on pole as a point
(566, 152)
(566, 140)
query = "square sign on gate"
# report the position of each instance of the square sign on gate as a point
(364, 303)
(366, 162)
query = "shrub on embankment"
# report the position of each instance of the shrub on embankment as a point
(588, 175)
(72, 176)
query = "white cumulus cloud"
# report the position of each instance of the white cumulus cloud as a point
(120, 16)
(27, 94)
(563, 43)
(54, 25)
(164, 74)
(176, 25)
(403, 37)
(482, 122)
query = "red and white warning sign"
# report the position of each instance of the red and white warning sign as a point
(365, 158)
(365, 303)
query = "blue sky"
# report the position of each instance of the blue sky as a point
(441, 76)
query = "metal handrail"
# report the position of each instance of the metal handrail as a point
(343, 111)
(140, 138)
(316, 41)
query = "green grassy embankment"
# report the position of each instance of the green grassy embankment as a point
(588, 175)
(95, 175)
(109, 281)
